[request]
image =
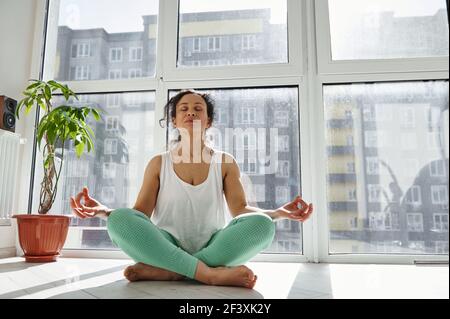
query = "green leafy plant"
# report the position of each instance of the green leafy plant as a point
(58, 125)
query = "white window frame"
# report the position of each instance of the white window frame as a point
(414, 195)
(134, 73)
(284, 191)
(248, 42)
(437, 168)
(217, 43)
(308, 27)
(109, 170)
(110, 146)
(115, 49)
(438, 190)
(135, 54)
(83, 49)
(280, 169)
(414, 226)
(111, 123)
(328, 66)
(82, 72)
(248, 115)
(441, 226)
(196, 40)
(115, 74)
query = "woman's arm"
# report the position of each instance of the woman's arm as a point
(146, 200)
(237, 202)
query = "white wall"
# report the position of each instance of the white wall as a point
(18, 41)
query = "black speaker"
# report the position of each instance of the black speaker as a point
(7, 117)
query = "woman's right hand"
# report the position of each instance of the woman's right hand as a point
(91, 207)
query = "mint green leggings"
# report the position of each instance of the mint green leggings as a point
(243, 238)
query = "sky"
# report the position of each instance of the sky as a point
(125, 15)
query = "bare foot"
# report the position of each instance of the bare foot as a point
(141, 271)
(240, 276)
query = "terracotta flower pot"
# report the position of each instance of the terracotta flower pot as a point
(42, 236)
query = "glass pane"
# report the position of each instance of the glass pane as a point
(385, 29)
(249, 124)
(398, 167)
(113, 171)
(92, 45)
(234, 32)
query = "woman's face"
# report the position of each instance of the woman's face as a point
(189, 110)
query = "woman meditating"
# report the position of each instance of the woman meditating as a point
(176, 229)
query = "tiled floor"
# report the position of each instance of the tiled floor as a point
(102, 278)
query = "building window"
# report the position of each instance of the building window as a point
(214, 43)
(115, 74)
(112, 123)
(248, 115)
(437, 168)
(285, 225)
(82, 72)
(135, 54)
(415, 222)
(248, 42)
(282, 194)
(108, 194)
(352, 195)
(440, 222)
(441, 247)
(113, 100)
(373, 166)
(196, 45)
(281, 118)
(81, 50)
(109, 170)
(134, 73)
(370, 139)
(413, 195)
(249, 141)
(374, 193)
(283, 169)
(110, 146)
(439, 194)
(115, 55)
(283, 143)
(249, 166)
(434, 140)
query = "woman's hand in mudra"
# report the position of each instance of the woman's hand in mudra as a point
(297, 210)
(91, 207)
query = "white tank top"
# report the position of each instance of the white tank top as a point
(190, 213)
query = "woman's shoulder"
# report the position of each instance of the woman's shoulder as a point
(154, 163)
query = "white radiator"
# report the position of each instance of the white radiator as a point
(9, 162)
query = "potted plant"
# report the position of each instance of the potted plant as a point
(42, 235)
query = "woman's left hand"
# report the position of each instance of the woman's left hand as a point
(293, 211)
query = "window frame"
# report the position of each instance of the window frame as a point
(308, 31)
(328, 66)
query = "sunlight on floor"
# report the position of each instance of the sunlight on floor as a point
(387, 281)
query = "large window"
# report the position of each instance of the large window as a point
(383, 29)
(232, 33)
(383, 186)
(112, 170)
(98, 46)
(274, 169)
(344, 102)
